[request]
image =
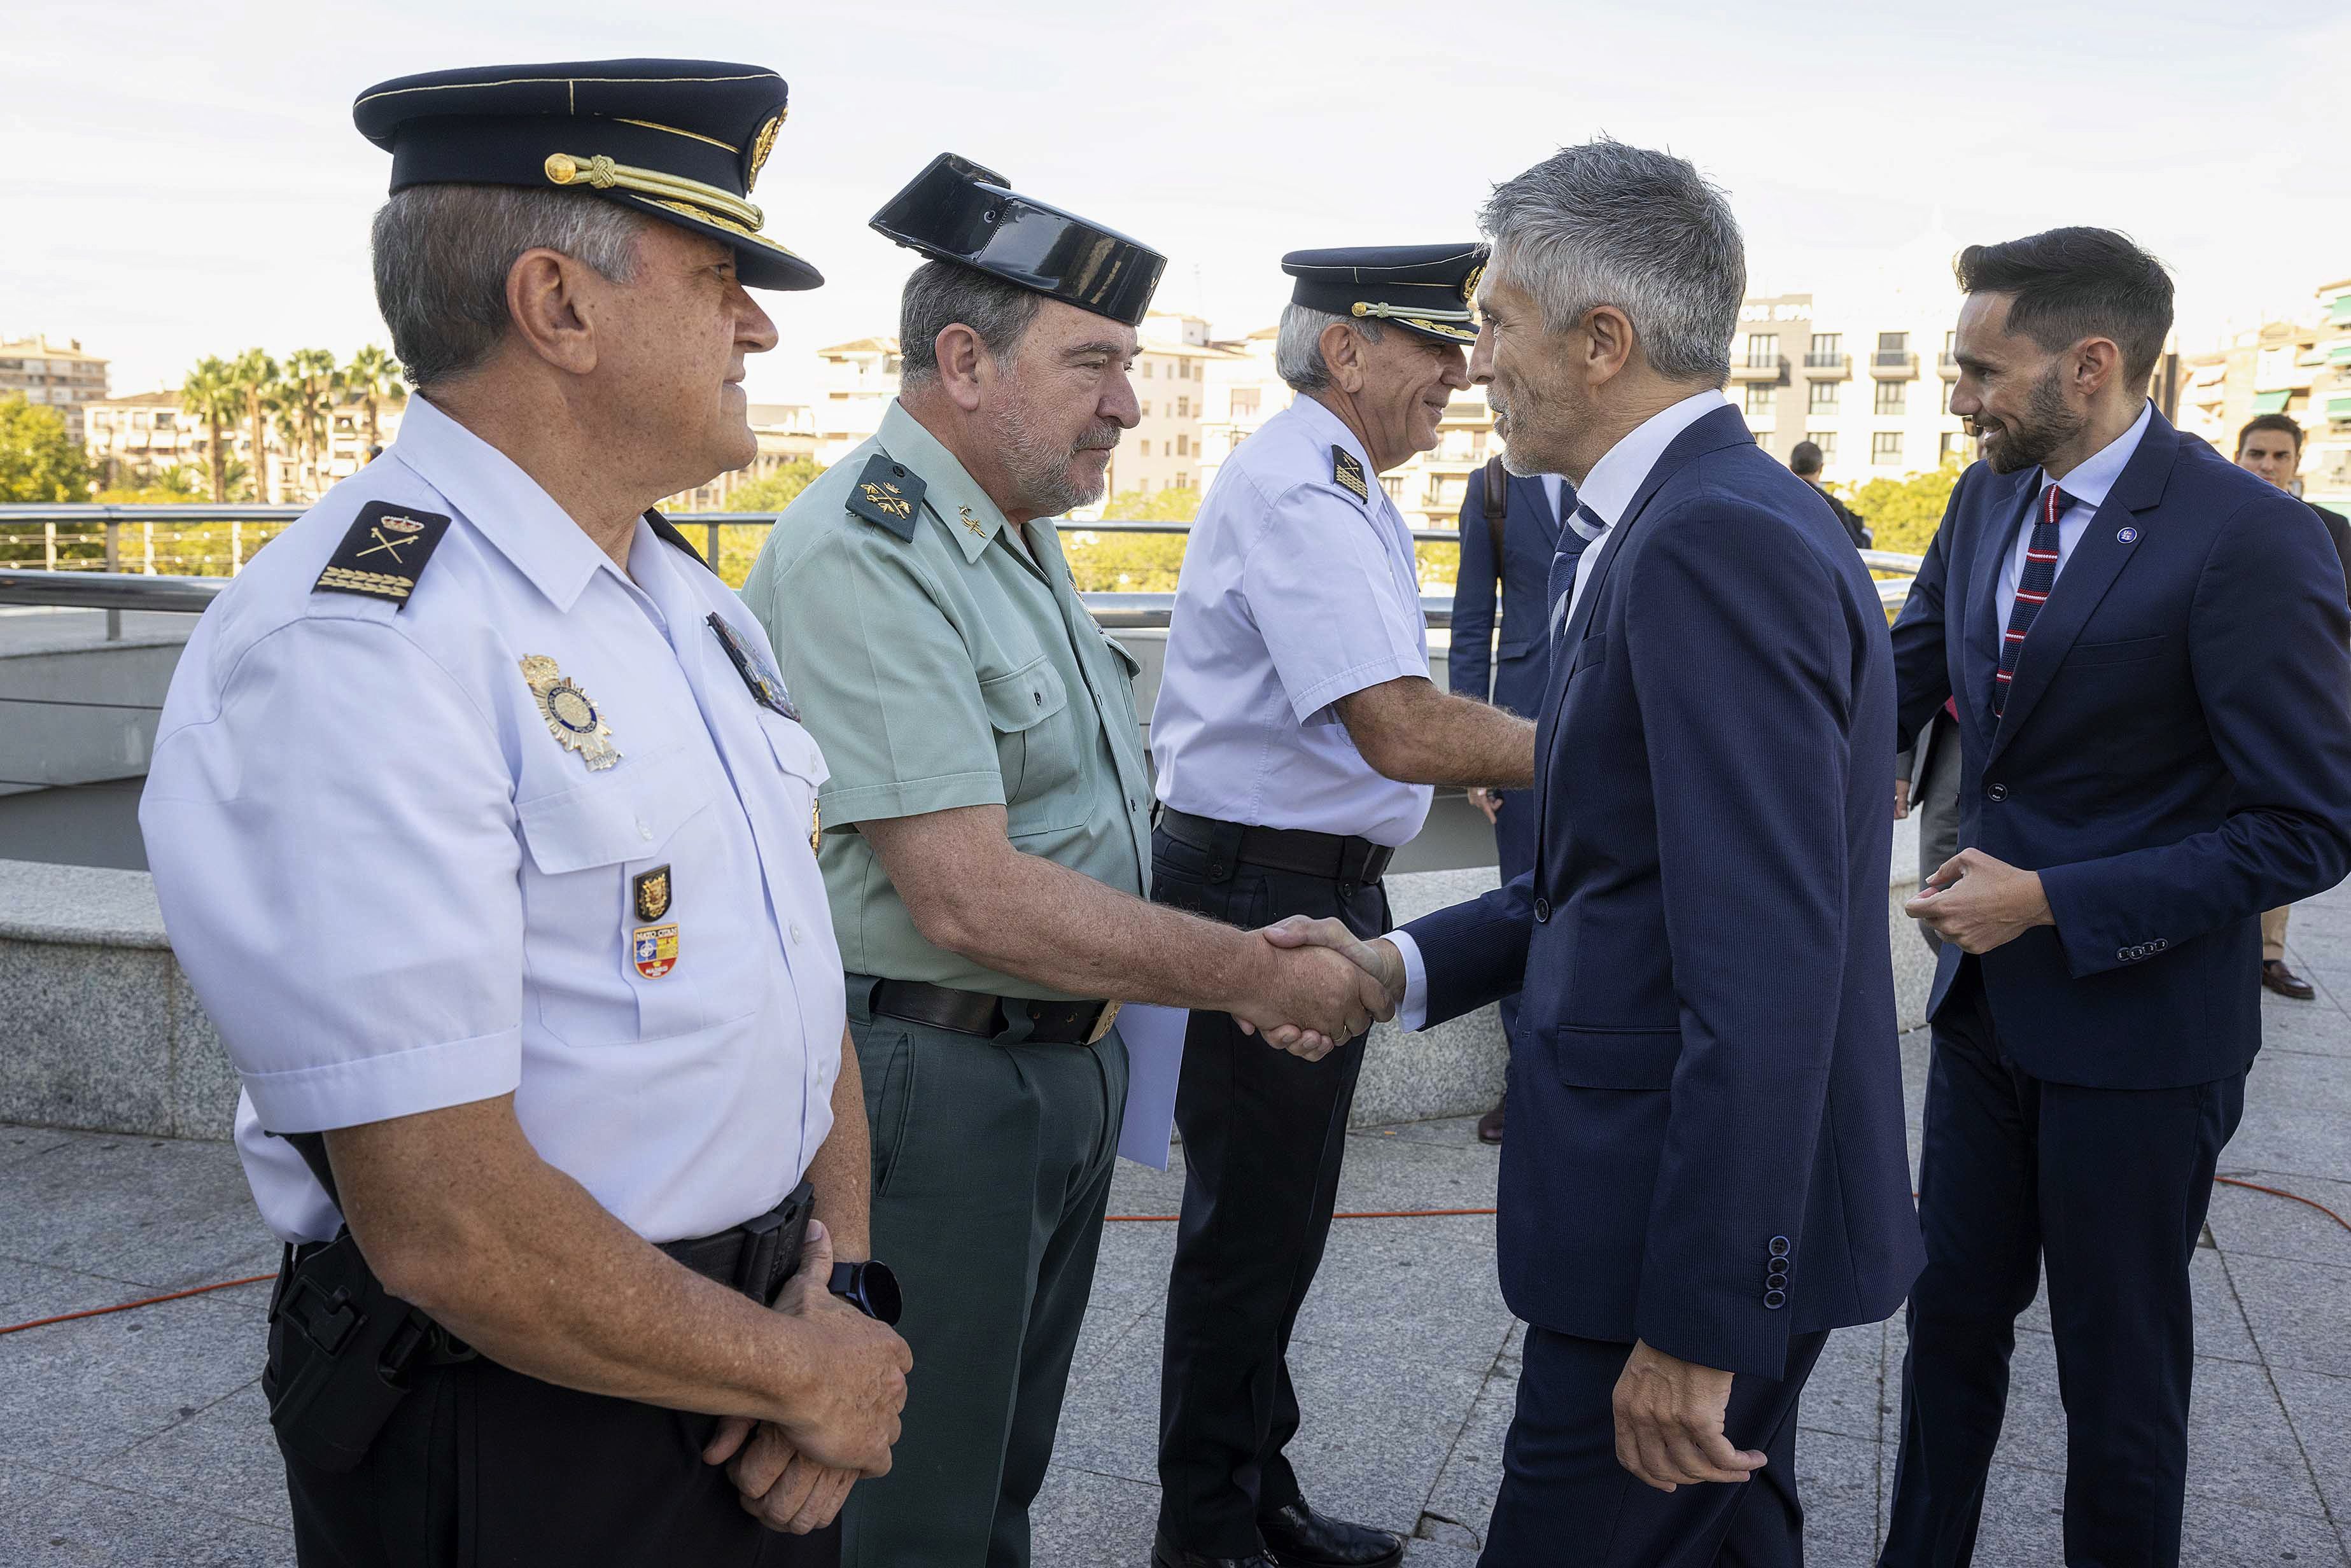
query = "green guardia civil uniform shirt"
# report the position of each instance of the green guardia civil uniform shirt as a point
(941, 671)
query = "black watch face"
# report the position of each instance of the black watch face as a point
(877, 1292)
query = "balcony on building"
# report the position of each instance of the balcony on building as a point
(1894, 365)
(1770, 371)
(1821, 365)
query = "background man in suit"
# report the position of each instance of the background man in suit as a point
(2148, 648)
(1511, 540)
(1805, 463)
(2271, 446)
(1707, 1172)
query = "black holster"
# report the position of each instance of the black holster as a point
(343, 1354)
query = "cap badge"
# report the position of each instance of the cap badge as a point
(760, 148)
(1470, 284)
(572, 717)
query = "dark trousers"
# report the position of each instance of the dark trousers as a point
(1264, 1133)
(1514, 848)
(483, 1467)
(2110, 1187)
(1565, 1498)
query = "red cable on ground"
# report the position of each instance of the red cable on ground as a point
(126, 1306)
(1113, 1218)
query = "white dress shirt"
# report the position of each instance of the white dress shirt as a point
(1606, 491)
(1553, 483)
(2088, 485)
(395, 891)
(1295, 592)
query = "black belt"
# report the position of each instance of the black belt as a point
(1335, 857)
(977, 1012)
(756, 1256)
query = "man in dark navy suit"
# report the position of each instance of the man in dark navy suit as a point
(1513, 547)
(1705, 1170)
(2148, 648)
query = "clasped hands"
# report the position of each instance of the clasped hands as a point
(1325, 986)
(796, 1477)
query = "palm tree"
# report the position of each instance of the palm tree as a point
(255, 377)
(315, 381)
(373, 377)
(210, 392)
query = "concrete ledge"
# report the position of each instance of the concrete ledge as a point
(97, 1026)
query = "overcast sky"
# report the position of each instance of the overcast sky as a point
(183, 179)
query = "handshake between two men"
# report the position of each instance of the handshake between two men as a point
(1373, 982)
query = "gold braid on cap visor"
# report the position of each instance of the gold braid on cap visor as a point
(1458, 325)
(565, 168)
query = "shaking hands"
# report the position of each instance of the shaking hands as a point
(1324, 987)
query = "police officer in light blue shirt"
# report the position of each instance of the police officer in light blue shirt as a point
(1297, 738)
(482, 826)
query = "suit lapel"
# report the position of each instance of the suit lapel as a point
(2099, 558)
(1535, 497)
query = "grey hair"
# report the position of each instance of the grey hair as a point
(1608, 224)
(442, 252)
(1298, 347)
(944, 294)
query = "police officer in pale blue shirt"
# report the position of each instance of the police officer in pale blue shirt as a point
(1297, 739)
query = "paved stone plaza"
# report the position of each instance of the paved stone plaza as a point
(140, 1437)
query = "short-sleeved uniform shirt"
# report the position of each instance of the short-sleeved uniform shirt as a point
(949, 670)
(1296, 591)
(394, 890)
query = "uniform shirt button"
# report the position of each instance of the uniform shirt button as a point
(797, 935)
(1543, 910)
(644, 831)
(1996, 792)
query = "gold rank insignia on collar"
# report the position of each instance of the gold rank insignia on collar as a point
(384, 553)
(572, 717)
(1349, 473)
(970, 522)
(816, 828)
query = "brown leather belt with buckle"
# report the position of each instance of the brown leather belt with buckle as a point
(977, 1012)
(1335, 857)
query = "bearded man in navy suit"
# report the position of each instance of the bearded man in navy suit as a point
(1705, 1170)
(2147, 647)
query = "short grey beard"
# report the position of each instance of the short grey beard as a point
(1038, 468)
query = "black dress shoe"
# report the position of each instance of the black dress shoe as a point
(1166, 1554)
(2285, 982)
(1490, 1126)
(1298, 1537)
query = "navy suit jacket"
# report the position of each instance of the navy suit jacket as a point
(1511, 675)
(1705, 1081)
(2174, 757)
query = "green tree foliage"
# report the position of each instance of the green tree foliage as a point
(1903, 514)
(255, 377)
(38, 461)
(773, 491)
(174, 486)
(372, 379)
(1124, 564)
(1169, 506)
(211, 394)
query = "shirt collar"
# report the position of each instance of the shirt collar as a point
(1617, 477)
(505, 505)
(2089, 483)
(971, 519)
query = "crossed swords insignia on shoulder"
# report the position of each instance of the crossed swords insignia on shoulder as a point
(889, 499)
(407, 527)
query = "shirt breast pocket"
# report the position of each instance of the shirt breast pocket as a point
(601, 973)
(1036, 747)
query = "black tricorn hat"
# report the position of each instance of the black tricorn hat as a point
(681, 141)
(956, 211)
(1431, 289)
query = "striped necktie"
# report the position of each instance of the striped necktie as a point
(1587, 526)
(2031, 590)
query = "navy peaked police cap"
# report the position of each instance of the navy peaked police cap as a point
(956, 211)
(1431, 289)
(681, 141)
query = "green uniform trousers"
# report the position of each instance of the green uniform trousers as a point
(992, 1162)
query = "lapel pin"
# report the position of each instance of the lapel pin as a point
(2127, 536)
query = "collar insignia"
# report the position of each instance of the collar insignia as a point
(1349, 473)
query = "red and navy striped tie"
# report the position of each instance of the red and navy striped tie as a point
(2032, 590)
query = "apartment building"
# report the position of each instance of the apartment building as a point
(2300, 368)
(1867, 379)
(134, 438)
(58, 375)
(786, 434)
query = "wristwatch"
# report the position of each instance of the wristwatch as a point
(869, 1287)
